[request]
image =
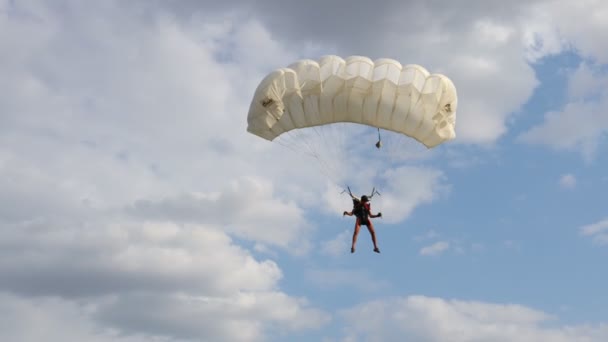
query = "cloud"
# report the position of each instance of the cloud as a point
(142, 105)
(337, 246)
(407, 188)
(589, 36)
(581, 125)
(245, 207)
(130, 271)
(597, 231)
(429, 319)
(55, 319)
(476, 46)
(402, 190)
(143, 112)
(175, 318)
(586, 82)
(435, 249)
(567, 181)
(437, 244)
(241, 317)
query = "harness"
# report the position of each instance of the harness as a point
(361, 211)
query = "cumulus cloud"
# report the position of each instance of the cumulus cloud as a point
(480, 43)
(589, 37)
(172, 318)
(123, 162)
(422, 318)
(338, 245)
(435, 249)
(240, 317)
(126, 256)
(129, 271)
(597, 231)
(403, 189)
(581, 125)
(139, 108)
(245, 207)
(409, 188)
(56, 319)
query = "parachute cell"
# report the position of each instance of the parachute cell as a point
(381, 94)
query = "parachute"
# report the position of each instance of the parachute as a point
(309, 103)
(381, 94)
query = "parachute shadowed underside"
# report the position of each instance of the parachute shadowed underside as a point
(381, 94)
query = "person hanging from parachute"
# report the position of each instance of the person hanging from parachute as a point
(310, 95)
(362, 211)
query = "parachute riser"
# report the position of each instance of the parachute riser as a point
(374, 192)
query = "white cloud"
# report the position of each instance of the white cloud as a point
(402, 190)
(130, 271)
(240, 317)
(589, 35)
(479, 44)
(137, 317)
(246, 208)
(582, 124)
(586, 82)
(479, 49)
(549, 29)
(597, 231)
(407, 188)
(109, 105)
(427, 319)
(337, 246)
(435, 249)
(567, 181)
(437, 244)
(121, 256)
(55, 319)
(138, 111)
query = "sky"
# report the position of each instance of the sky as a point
(135, 206)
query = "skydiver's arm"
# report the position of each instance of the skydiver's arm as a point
(349, 213)
(374, 216)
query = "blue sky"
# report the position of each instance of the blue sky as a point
(136, 207)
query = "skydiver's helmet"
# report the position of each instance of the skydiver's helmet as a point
(364, 199)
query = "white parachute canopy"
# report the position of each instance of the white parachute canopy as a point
(333, 109)
(383, 94)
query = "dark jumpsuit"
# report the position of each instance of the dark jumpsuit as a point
(362, 212)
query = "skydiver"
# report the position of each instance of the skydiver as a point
(362, 210)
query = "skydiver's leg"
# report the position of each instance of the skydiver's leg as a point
(355, 233)
(370, 227)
